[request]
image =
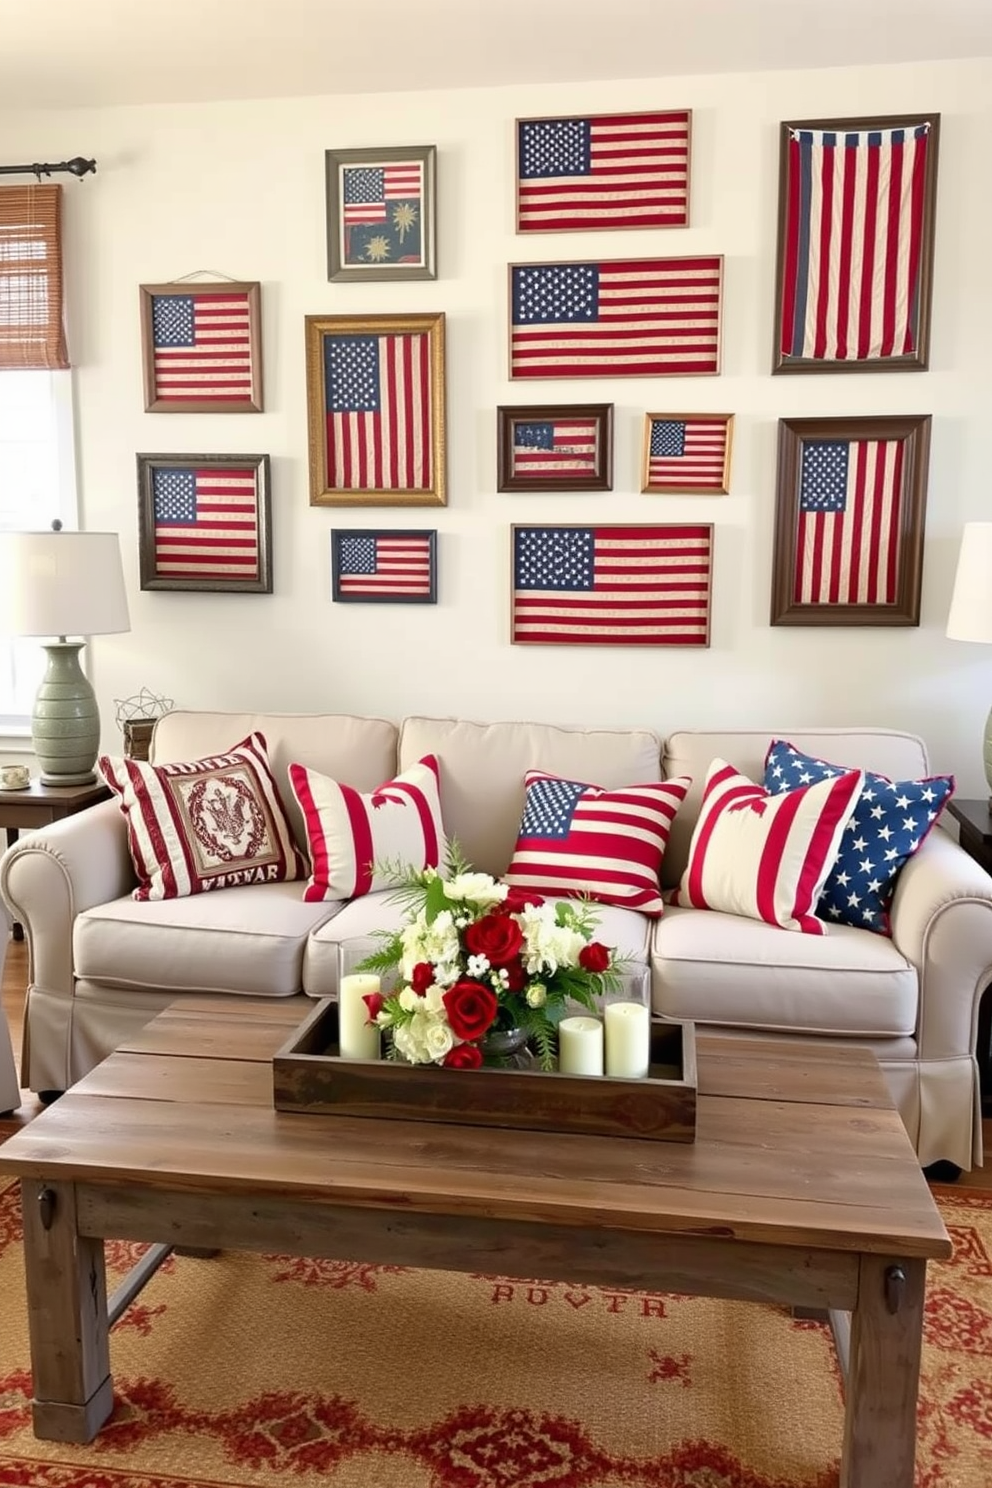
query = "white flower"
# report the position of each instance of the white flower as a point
(424, 1037)
(476, 888)
(434, 999)
(436, 942)
(548, 945)
(477, 966)
(408, 1000)
(537, 995)
(438, 1039)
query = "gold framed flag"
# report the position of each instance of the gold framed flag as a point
(687, 452)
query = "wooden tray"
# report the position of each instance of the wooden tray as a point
(308, 1074)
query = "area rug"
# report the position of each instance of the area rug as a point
(249, 1371)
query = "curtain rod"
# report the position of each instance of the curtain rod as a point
(76, 167)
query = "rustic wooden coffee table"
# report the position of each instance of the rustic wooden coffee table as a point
(801, 1188)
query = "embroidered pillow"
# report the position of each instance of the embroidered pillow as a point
(762, 856)
(579, 839)
(891, 821)
(204, 824)
(348, 832)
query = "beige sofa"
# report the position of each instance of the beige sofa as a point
(10, 1095)
(101, 964)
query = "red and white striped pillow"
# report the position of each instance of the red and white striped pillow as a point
(579, 839)
(764, 856)
(212, 823)
(348, 832)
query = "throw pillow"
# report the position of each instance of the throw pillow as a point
(578, 839)
(891, 821)
(355, 838)
(762, 856)
(204, 824)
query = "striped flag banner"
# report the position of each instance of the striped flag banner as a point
(377, 392)
(649, 317)
(202, 347)
(851, 257)
(687, 454)
(613, 170)
(850, 518)
(612, 586)
(555, 447)
(384, 565)
(206, 523)
(367, 189)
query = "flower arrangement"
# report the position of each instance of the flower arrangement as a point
(476, 957)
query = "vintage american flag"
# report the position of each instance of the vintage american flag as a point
(612, 586)
(649, 317)
(613, 170)
(854, 214)
(367, 189)
(554, 447)
(687, 454)
(202, 346)
(383, 565)
(205, 523)
(378, 407)
(850, 517)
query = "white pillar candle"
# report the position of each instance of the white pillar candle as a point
(580, 1046)
(357, 1038)
(628, 1040)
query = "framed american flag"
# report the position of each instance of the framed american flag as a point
(204, 522)
(854, 274)
(850, 507)
(381, 213)
(373, 565)
(687, 452)
(375, 410)
(201, 347)
(555, 447)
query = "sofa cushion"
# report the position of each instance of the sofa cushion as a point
(249, 940)
(724, 969)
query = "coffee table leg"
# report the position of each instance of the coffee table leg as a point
(67, 1317)
(884, 1377)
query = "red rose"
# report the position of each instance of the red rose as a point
(471, 1009)
(463, 1056)
(374, 1002)
(495, 936)
(594, 957)
(423, 977)
(518, 899)
(516, 976)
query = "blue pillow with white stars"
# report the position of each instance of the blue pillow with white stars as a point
(890, 821)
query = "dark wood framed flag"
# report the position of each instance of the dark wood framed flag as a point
(849, 520)
(555, 447)
(612, 585)
(642, 317)
(374, 566)
(204, 522)
(857, 200)
(201, 347)
(581, 173)
(687, 452)
(381, 213)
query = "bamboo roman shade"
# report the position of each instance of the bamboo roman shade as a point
(31, 327)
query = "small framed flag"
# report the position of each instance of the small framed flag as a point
(381, 213)
(605, 171)
(564, 447)
(626, 585)
(850, 505)
(375, 409)
(854, 268)
(687, 452)
(204, 523)
(372, 566)
(201, 347)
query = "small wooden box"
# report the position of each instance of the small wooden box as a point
(309, 1074)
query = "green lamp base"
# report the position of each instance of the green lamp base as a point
(65, 724)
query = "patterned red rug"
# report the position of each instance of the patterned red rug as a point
(271, 1372)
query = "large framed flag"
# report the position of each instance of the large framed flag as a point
(604, 171)
(201, 347)
(204, 522)
(375, 410)
(854, 274)
(381, 213)
(850, 507)
(687, 452)
(559, 447)
(618, 585)
(373, 566)
(640, 317)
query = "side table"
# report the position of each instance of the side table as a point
(40, 805)
(975, 835)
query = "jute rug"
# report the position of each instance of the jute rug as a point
(283, 1373)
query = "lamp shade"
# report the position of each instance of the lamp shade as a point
(61, 584)
(970, 616)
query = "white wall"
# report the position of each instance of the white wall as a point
(239, 188)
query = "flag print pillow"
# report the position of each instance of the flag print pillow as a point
(205, 824)
(891, 821)
(762, 856)
(577, 839)
(352, 836)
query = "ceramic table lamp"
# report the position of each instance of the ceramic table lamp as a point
(61, 584)
(970, 617)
